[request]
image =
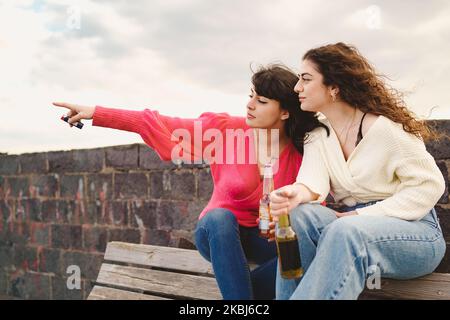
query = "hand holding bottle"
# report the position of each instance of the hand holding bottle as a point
(283, 200)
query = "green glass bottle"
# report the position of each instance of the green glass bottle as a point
(288, 249)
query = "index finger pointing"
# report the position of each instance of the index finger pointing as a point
(63, 105)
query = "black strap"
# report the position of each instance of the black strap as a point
(360, 136)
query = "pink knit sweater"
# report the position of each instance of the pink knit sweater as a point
(237, 187)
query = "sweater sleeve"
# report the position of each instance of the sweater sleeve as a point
(421, 181)
(171, 137)
(313, 172)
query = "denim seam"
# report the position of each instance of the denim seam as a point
(336, 293)
(435, 238)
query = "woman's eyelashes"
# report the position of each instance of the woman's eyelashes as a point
(259, 100)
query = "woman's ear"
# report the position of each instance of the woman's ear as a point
(285, 115)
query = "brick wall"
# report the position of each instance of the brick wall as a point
(61, 208)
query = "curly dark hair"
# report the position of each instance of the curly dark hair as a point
(277, 82)
(362, 87)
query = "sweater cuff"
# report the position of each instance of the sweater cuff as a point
(126, 120)
(373, 210)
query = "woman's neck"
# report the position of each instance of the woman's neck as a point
(339, 114)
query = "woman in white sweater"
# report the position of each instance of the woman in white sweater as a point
(373, 161)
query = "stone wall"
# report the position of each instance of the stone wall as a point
(61, 208)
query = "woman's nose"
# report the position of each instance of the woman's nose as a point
(298, 87)
(250, 105)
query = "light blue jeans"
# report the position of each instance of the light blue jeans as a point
(338, 255)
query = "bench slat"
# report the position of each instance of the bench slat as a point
(180, 286)
(156, 256)
(435, 286)
(105, 293)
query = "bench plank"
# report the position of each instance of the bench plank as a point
(176, 285)
(105, 293)
(161, 257)
(435, 286)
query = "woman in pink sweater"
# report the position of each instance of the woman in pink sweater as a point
(227, 231)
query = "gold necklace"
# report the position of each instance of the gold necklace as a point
(348, 130)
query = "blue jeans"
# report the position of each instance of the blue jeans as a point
(229, 247)
(339, 254)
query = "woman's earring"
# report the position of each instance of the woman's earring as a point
(333, 97)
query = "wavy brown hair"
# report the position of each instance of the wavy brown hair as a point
(362, 87)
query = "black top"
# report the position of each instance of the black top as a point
(360, 136)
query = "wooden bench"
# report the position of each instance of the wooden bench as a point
(146, 272)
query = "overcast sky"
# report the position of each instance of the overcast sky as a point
(185, 57)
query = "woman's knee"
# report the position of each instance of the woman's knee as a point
(305, 215)
(218, 218)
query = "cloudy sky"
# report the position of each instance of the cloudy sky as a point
(184, 57)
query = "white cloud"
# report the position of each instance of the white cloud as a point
(187, 57)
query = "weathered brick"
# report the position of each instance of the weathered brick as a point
(119, 214)
(66, 236)
(182, 185)
(149, 159)
(89, 263)
(99, 212)
(183, 239)
(26, 258)
(444, 220)
(7, 208)
(32, 209)
(205, 184)
(64, 211)
(61, 291)
(88, 285)
(122, 157)
(30, 286)
(20, 233)
(143, 214)
(95, 238)
(50, 261)
(19, 186)
(90, 160)
(99, 187)
(60, 161)
(72, 187)
(40, 234)
(44, 186)
(76, 161)
(440, 149)
(173, 185)
(6, 257)
(130, 185)
(9, 164)
(33, 163)
(444, 266)
(124, 235)
(48, 210)
(3, 283)
(159, 185)
(442, 166)
(157, 237)
(181, 215)
(2, 188)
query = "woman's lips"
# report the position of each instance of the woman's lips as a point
(249, 116)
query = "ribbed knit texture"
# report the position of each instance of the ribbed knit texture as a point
(388, 164)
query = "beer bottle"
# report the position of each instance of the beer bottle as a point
(288, 249)
(264, 204)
